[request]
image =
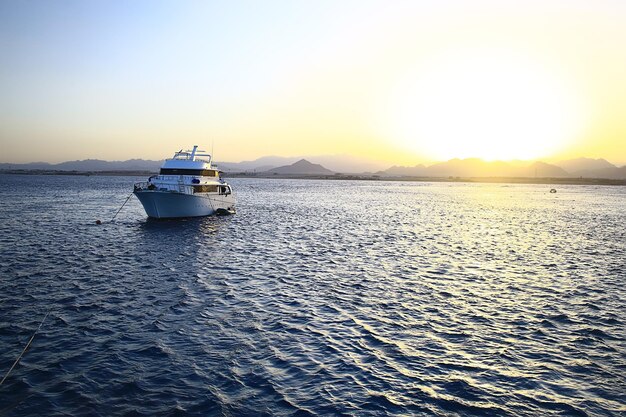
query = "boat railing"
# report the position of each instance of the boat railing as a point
(172, 188)
(140, 186)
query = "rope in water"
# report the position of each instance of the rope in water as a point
(25, 348)
(120, 209)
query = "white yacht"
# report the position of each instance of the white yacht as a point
(187, 186)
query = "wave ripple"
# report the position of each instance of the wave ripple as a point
(317, 298)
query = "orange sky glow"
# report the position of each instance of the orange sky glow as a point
(405, 82)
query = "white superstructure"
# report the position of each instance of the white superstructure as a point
(187, 186)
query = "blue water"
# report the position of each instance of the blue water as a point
(316, 298)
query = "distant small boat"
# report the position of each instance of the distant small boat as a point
(553, 190)
(187, 186)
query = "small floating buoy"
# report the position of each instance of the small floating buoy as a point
(98, 222)
(553, 190)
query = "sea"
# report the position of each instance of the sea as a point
(317, 298)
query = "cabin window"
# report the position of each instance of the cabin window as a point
(205, 188)
(197, 172)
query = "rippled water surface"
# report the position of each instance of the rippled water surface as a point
(316, 298)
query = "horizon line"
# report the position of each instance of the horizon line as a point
(364, 160)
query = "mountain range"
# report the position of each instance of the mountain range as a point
(472, 167)
(328, 165)
(93, 165)
(335, 163)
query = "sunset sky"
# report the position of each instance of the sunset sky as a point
(398, 81)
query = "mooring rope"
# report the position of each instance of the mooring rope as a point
(120, 209)
(25, 348)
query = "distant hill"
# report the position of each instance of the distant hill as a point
(608, 173)
(258, 165)
(542, 170)
(90, 165)
(592, 168)
(301, 167)
(28, 166)
(584, 164)
(336, 163)
(473, 167)
(99, 165)
(400, 171)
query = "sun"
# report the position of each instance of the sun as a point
(486, 104)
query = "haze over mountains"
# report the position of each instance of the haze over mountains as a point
(335, 163)
(88, 165)
(477, 168)
(328, 165)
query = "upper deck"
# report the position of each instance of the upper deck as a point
(187, 160)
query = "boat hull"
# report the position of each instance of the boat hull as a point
(167, 205)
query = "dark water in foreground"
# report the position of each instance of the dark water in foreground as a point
(317, 298)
